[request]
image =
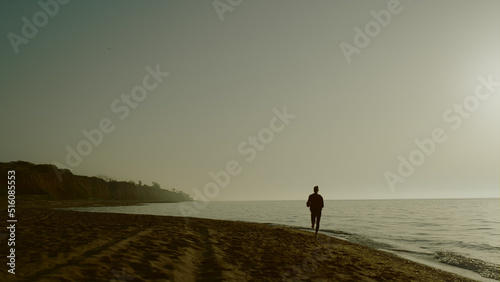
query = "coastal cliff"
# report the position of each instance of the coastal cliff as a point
(60, 184)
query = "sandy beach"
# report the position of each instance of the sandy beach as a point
(60, 245)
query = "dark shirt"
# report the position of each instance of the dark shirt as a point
(315, 202)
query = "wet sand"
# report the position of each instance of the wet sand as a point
(60, 245)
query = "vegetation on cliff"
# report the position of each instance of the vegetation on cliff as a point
(61, 184)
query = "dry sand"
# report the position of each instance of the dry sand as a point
(61, 245)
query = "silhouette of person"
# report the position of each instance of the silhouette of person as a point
(315, 204)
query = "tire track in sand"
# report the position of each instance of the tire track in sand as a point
(209, 268)
(120, 243)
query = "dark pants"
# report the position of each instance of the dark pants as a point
(315, 217)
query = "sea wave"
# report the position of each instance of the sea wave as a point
(485, 269)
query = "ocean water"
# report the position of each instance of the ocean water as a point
(460, 232)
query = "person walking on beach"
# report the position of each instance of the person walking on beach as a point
(315, 204)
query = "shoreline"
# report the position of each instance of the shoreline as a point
(425, 259)
(464, 266)
(67, 245)
(421, 258)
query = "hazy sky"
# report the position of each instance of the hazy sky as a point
(360, 91)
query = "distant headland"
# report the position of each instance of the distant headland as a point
(46, 181)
